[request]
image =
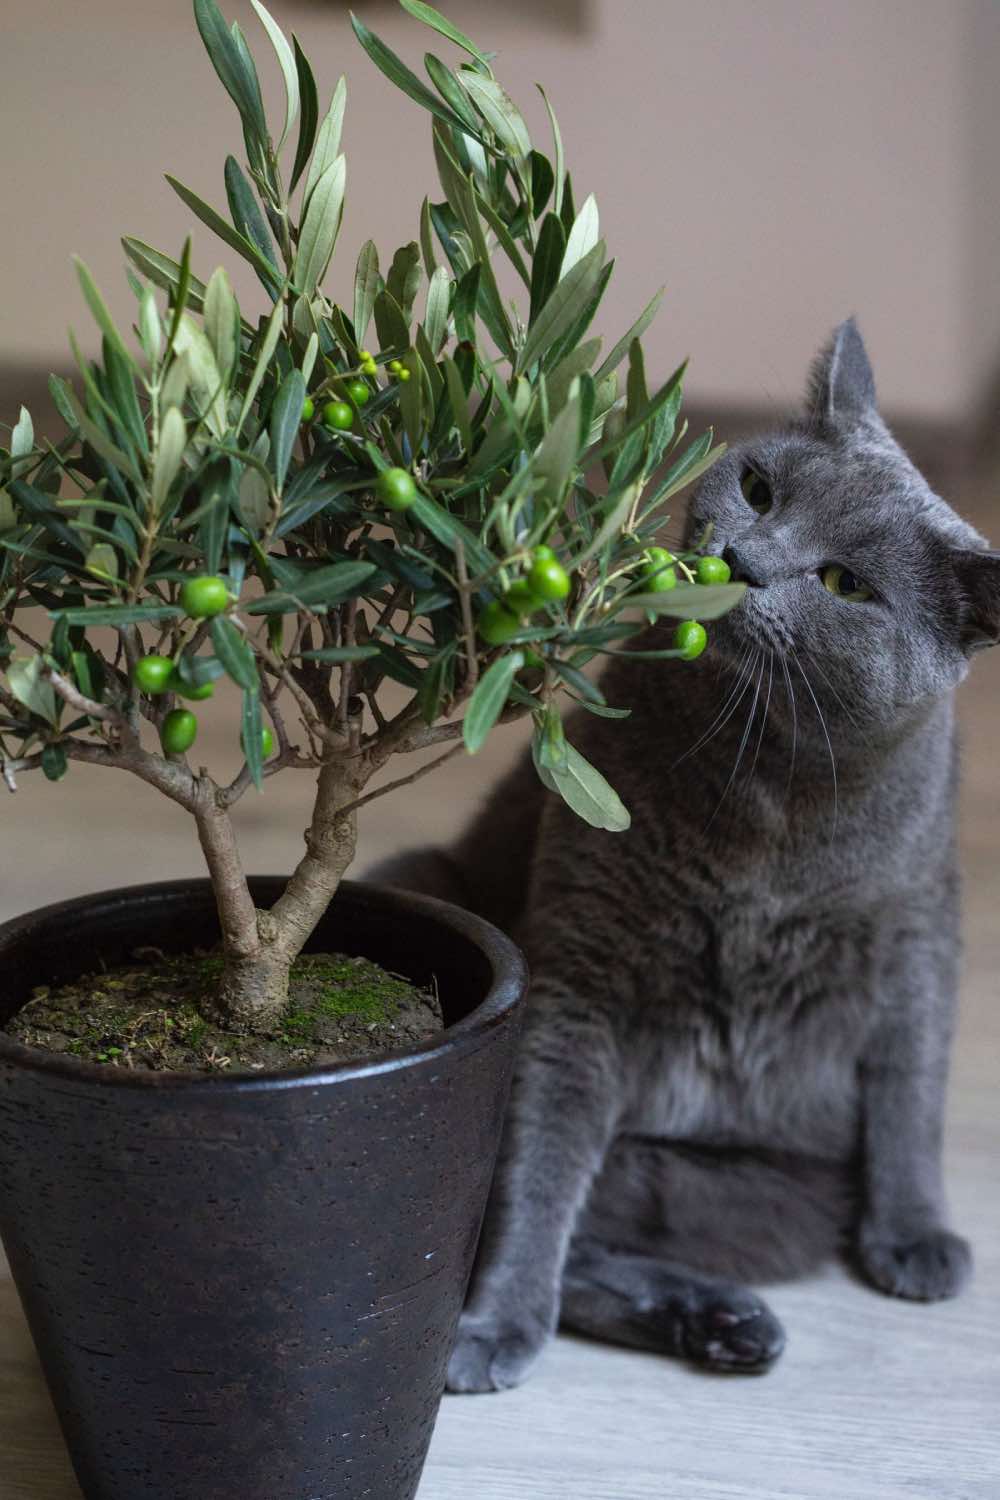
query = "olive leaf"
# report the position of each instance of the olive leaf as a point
(584, 789)
(29, 685)
(318, 235)
(168, 455)
(286, 62)
(327, 147)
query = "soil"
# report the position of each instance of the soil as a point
(144, 1015)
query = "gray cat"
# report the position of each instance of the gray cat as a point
(737, 1042)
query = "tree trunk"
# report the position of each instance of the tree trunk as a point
(261, 946)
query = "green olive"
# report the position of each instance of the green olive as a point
(396, 489)
(195, 692)
(690, 639)
(521, 598)
(202, 597)
(266, 741)
(151, 674)
(658, 576)
(178, 731)
(548, 579)
(358, 392)
(496, 624)
(338, 416)
(712, 570)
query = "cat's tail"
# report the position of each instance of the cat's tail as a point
(487, 869)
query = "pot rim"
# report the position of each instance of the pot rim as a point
(509, 978)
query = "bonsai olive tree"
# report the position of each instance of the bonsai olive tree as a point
(327, 499)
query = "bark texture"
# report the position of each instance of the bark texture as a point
(261, 946)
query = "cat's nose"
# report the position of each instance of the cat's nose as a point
(742, 566)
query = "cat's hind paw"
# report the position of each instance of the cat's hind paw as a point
(491, 1355)
(926, 1269)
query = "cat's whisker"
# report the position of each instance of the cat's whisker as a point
(829, 744)
(743, 742)
(763, 722)
(744, 674)
(847, 712)
(790, 689)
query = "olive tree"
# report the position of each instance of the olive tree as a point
(465, 514)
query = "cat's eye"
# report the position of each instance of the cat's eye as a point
(756, 492)
(845, 584)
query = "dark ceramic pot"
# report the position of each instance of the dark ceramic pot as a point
(247, 1288)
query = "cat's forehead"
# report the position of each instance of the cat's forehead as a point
(858, 482)
(848, 473)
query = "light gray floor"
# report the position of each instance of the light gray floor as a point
(874, 1399)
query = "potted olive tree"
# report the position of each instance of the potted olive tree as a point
(393, 524)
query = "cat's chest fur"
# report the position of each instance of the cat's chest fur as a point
(755, 1036)
(759, 983)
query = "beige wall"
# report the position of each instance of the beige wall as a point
(778, 163)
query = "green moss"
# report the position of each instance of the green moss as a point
(336, 988)
(150, 1015)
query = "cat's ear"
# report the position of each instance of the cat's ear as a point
(841, 383)
(978, 575)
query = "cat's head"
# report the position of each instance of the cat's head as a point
(853, 563)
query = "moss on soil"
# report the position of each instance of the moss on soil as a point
(145, 1014)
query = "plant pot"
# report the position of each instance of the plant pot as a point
(247, 1288)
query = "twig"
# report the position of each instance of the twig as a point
(440, 734)
(389, 609)
(271, 699)
(391, 786)
(11, 767)
(11, 704)
(174, 780)
(468, 629)
(71, 694)
(314, 727)
(131, 643)
(23, 635)
(228, 796)
(347, 638)
(377, 714)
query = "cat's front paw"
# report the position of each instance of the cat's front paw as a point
(927, 1268)
(493, 1353)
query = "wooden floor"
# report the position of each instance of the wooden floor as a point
(873, 1400)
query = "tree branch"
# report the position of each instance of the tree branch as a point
(237, 913)
(22, 635)
(331, 839)
(391, 786)
(71, 694)
(468, 628)
(10, 768)
(288, 759)
(175, 781)
(439, 734)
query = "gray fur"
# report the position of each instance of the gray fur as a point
(736, 1050)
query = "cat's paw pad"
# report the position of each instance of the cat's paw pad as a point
(935, 1265)
(732, 1332)
(491, 1355)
